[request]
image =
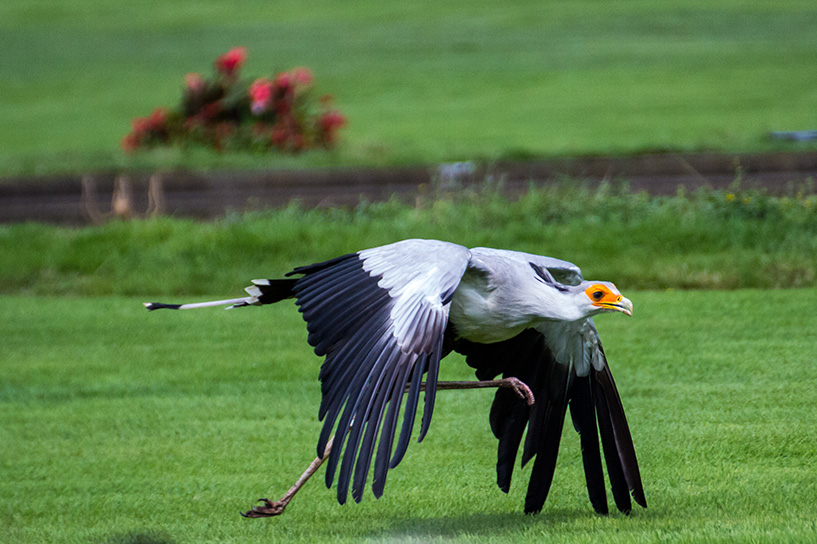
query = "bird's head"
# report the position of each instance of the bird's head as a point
(595, 297)
(590, 297)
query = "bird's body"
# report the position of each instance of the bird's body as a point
(384, 317)
(488, 307)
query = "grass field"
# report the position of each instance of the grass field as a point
(121, 426)
(421, 81)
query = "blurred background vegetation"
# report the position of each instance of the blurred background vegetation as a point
(704, 240)
(421, 81)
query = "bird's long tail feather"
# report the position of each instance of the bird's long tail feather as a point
(261, 292)
(232, 303)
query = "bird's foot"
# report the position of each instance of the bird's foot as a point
(268, 510)
(521, 389)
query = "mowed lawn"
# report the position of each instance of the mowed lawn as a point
(123, 426)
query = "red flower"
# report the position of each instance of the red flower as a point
(284, 93)
(332, 120)
(260, 90)
(300, 76)
(231, 61)
(282, 112)
(283, 82)
(131, 142)
(155, 122)
(194, 83)
(140, 125)
(157, 119)
(207, 115)
(329, 122)
(260, 94)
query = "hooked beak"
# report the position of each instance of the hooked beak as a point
(622, 304)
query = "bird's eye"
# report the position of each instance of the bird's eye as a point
(597, 295)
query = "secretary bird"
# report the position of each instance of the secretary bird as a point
(384, 317)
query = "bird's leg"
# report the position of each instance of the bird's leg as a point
(518, 386)
(276, 508)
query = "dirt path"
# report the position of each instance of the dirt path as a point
(78, 200)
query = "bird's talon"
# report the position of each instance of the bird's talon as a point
(522, 390)
(269, 509)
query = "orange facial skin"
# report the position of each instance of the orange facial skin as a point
(602, 297)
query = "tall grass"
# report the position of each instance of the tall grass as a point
(705, 240)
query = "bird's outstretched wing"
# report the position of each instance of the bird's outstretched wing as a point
(379, 316)
(595, 408)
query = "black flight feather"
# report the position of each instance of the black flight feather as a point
(621, 495)
(317, 267)
(381, 464)
(595, 410)
(620, 436)
(408, 417)
(374, 420)
(370, 416)
(365, 370)
(544, 435)
(583, 413)
(509, 417)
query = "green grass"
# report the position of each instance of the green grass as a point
(709, 239)
(421, 81)
(121, 426)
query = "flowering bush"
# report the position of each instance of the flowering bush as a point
(226, 112)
